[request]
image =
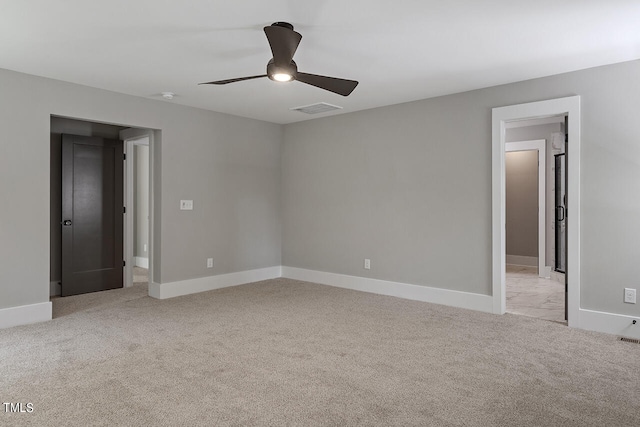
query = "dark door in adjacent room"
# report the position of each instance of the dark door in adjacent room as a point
(560, 214)
(92, 214)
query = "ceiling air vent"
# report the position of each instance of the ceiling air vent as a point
(320, 107)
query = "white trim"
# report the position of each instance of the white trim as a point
(203, 284)
(139, 261)
(55, 289)
(539, 145)
(500, 116)
(610, 323)
(527, 261)
(25, 314)
(536, 122)
(401, 290)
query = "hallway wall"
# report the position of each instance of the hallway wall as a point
(521, 173)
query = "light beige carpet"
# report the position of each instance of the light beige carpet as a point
(283, 352)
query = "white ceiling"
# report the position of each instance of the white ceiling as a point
(399, 51)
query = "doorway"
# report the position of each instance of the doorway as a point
(137, 219)
(62, 125)
(569, 107)
(140, 149)
(530, 288)
(58, 127)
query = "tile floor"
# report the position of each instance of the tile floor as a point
(533, 296)
(140, 275)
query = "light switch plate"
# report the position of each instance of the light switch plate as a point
(186, 205)
(630, 295)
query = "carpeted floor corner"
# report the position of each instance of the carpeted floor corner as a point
(283, 352)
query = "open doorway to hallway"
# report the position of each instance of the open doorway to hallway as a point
(137, 223)
(500, 118)
(535, 227)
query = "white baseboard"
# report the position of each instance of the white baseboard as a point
(25, 314)
(401, 290)
(530, 261)
(202, 284)
(610, 323)
(139, 261)
(55, 289)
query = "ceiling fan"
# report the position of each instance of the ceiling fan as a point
(282, 68)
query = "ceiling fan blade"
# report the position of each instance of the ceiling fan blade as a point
(283, 42)
(239, 79)
(332, 84)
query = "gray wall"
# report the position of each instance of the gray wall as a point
(141, 201)
(409, 186)
(60, 125)
(406, 186)
(229, 166)
(521, 177)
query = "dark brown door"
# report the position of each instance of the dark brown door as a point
(92, 210)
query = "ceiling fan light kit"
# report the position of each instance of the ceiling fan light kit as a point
(282, 73)
(284, 42)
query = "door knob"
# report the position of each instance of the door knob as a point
(66, 222)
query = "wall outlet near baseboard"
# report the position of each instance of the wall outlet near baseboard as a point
(629, 295)
(367, 264)
(186, 205)
(209, 262)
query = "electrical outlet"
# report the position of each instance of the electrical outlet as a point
(144, 248)
(629, 295)
(367, 264)
(209, 262)
(186, 205)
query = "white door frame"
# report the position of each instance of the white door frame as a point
(540, 146)
(533, 110)
(131, 138)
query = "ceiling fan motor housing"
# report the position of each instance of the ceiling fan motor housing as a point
(283, 25)
(290, 69)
